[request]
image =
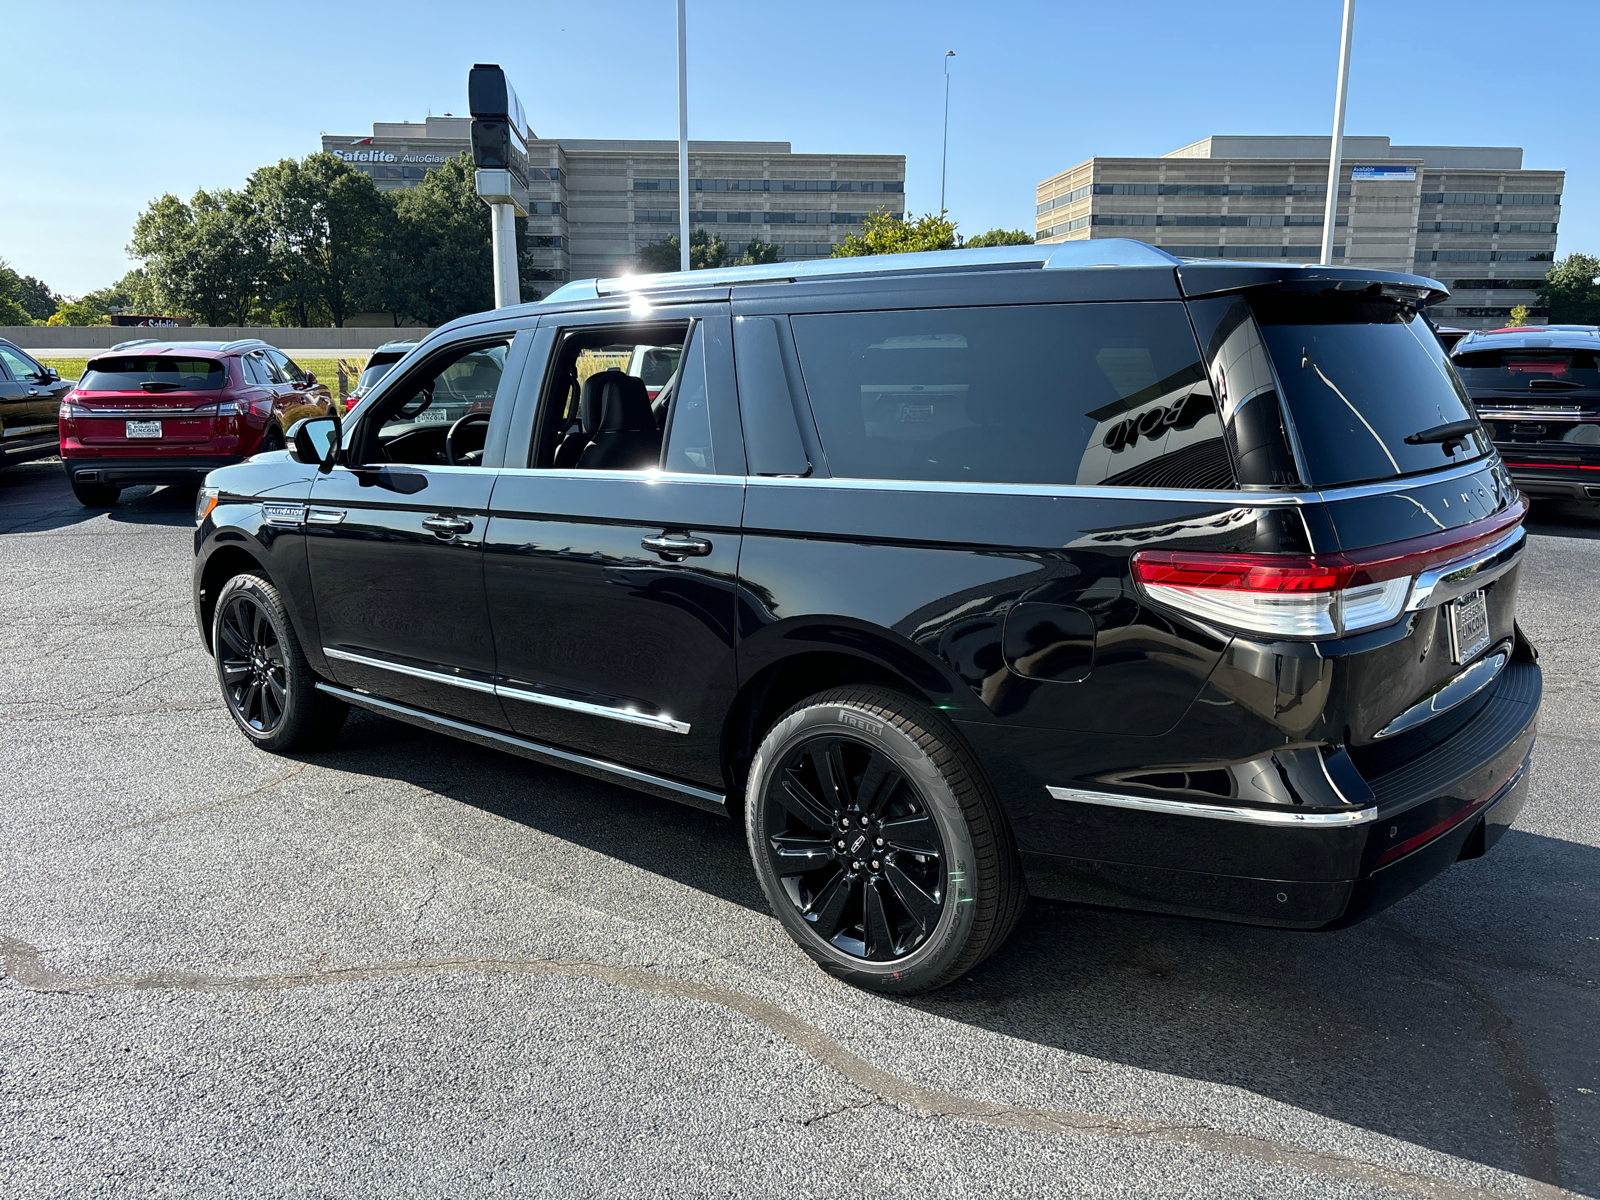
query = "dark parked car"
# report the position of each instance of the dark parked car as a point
(377, 366)
(1537, 389)
(1207, 608)
(30, 394)
(168, 412)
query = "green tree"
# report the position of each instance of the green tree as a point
(1000, 237)
(758, 253)
(884, 233)
(206, 259)
(38, 299)
(11, 310)
(324, 219)
(706, 250)
(1571, 291)
(436, 262)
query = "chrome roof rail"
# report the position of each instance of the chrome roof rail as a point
(1054, 256)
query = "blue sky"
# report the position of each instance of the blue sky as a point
(106, 106)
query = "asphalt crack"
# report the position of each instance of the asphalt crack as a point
(25, 968)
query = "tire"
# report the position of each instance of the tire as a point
(271, 440)
(946, 887)
(268, 687)
(95, 495)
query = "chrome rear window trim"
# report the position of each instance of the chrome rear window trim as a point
(1280, 818)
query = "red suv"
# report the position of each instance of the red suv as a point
(169, 412)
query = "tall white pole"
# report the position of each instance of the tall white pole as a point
(944, 153)
(683, 135)
(1336, 151)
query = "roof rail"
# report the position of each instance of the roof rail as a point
(1054, 256)
(241, 343)
(136, 342)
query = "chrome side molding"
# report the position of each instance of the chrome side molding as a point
(1286, 818)
(1458, 689)
(627, 715)
(599, 768)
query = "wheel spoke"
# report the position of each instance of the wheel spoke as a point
(827, 905)
(271, 707)
(879, 932)
(797, 798)
(825, 760)
(919, 906)
(797, 855)
(236, 638)
(918, 835)
(235, 672)
(252, 700)
(878, 784)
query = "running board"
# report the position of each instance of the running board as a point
(597, 768)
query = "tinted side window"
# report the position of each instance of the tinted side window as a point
(689, 424)
(1049, 394)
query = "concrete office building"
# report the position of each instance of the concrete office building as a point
(1470, 216)
(596, 203)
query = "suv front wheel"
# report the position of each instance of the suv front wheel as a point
(267, 684)
(879, 843)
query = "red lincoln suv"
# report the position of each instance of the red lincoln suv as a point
(169, 412)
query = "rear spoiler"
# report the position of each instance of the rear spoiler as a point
(1222, 279)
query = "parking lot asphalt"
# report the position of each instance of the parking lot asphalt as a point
(413, 967)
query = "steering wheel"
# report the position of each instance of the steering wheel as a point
(465, 458)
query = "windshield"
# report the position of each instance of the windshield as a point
(155, 373)
(657, 365)
(1547, 373)
(1360, 375)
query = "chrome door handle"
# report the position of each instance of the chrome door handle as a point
(445, 528)
(677, 545)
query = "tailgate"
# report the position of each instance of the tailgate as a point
(138, 420)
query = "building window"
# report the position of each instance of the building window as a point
(1526, 227)
(1126, 189)
(1490, 285)
(544, 172)
(1524, 255)
(543, 241)
(1247, 189)
(1250, 252)
(544, 208)
(1126, 219)
(1540, 198)
(655, 185)
(664, 215)
(1070, 197)
(1065, 227)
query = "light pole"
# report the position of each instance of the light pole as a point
(1336, 150)
(944, 154)
(683, 135)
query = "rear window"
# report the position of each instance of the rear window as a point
(1045, 394)
(1360, 375)
(155, 373)
(376, 369)
(1539, 372)
(657, 365)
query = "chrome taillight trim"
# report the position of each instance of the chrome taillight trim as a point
(1447, 581)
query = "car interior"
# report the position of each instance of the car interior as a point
(598, 416)
(440, 416)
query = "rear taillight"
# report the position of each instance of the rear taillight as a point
(1307, 595)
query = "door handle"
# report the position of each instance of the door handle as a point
(445, 527)
(677, 545)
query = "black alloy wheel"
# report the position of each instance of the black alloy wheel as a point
(250, 658)
(267, 684)
(879, 842)
(853, 844)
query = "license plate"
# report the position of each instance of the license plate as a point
(144, 429)
(1469, 625)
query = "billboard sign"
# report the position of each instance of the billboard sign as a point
(1384, 172)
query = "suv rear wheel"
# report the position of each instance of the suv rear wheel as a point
(267, 684)
(879, 843)
(95, 495)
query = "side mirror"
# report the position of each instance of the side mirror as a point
(51, 375)
(311, 378)
(316, 440)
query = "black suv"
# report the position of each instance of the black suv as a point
(30, 395)
(1073, 570)
(1537, 389)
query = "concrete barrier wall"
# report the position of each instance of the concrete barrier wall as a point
(61, 340)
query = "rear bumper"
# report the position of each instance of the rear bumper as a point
(1567, 480)
(1449, 798)
(128, 472)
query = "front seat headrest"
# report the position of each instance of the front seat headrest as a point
(589, 397)
(624, 404)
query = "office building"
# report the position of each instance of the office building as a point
(1470, 216)
(597, 203)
